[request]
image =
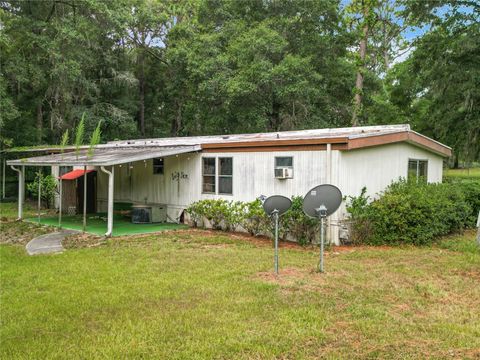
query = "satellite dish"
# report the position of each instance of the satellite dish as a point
(327, 195)
(320, 202)
(277, 202)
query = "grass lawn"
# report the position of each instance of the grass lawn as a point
(473, 172)
(200, 295)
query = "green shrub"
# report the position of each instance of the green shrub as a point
(221, 214)
(196, 212)
(357, 208)
(470, 187)
(234, 215)
(255, 221)
(409, 213)
(298, 225)
(48, 187)
(229, 215)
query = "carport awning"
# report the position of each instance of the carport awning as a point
(74, 174)
(105, 156)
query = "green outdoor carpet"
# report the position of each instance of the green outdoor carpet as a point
(97, 224)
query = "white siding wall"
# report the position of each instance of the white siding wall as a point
(253, 175)
(378, 166)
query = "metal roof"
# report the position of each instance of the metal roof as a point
(119, 152)
(350, 132)
(104, 156)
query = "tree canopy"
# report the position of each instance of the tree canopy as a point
(153, 68)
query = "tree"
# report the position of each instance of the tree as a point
(438, 85)
(377, 31)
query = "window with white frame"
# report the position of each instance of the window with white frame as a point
(208, 175)
(225, 175)
(417, 169)
(217, 175)
(283, 167)
(158, 166)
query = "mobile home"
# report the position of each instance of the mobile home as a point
(168, 174)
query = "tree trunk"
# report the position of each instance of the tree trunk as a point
(274, 123)
(386, 56)
(39, 123)
(361, 69)
(177, 120)
(141, 92)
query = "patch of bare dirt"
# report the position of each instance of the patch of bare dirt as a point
(294, 279)
(20, 232)
(473, 274)
(78, 241)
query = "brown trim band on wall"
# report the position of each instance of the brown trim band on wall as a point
(279, 142)
(276, 148)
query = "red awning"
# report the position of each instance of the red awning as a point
(72, 175)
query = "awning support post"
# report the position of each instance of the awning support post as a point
(21, 191)
(60, 204)
(3, 178)
(84, 198)
(39, 174)
(110, 200)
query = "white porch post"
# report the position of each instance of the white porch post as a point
(84, 198)
(60, 203)
(3, 178)
(110, 199)
(39, 193)
(21, 190)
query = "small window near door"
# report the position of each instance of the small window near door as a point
(208, 175)
(225, 175)
(64, 169)
(158, 166)
(417, 170)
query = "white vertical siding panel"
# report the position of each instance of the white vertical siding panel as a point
(253, 175)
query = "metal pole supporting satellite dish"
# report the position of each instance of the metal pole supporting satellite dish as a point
(275, 206)
(275, 215)
(322, 215)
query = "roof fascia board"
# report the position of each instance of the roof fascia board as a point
(406, 136)
(280, 142)
(124, 160)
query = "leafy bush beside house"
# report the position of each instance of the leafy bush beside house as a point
(470, 187)
(48, 187)
(298, 225)
(412, 213)
(250, 216)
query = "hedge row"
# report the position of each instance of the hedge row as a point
(249, 216)
(414, 213)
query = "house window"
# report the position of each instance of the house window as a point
(417, 169)
(208, 175)
(64, 169)
(225, 175)
(281, 163)
(158, 166)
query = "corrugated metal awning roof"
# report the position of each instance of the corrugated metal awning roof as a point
(105, 156)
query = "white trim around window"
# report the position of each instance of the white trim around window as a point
(217, 175)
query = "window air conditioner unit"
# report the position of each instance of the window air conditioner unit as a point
(283, 173)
